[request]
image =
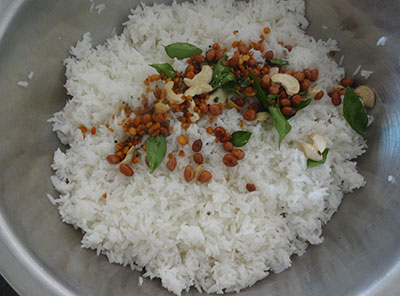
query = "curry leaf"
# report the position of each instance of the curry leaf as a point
(280, 122)
(182, 50)
(354, 112)
(227, 78)
(303, 93)
(279, 62)
(165, 69)
(312, 163)
(262, 98)
(240, 138)
(156, 148)
(219, 71)
(230, 87)
(303, 104)
(245, 82)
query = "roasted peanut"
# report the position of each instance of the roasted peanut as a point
(249, 91)
(219, 132)
(189, 173)
(346, 82)
(210, 55)
(203, 108)
(171, 164)
(255, 106)
(250, 115)
(336, 99)
(113, 159)
(288, 111)
(251, 187)
(269, 55)
(319, 95)
(300, 76)
(198, 58)
(296, 100)
(215, 109)
(285, 103)
(219, 55)
(265, 81)
(238, 154)
(240, 102)
(205, 177)
(198, 158)
(252, 62)
(228, 146)
(242, 48)
(273, 89)
(234, 61)
(197, 145)
(225, 138)
(314, 75)
(304, 85)
(146, 118)
(126, 170)
(307, 74)
(164, 131)
(229, 160)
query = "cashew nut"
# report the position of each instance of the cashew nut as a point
(310, 151)
(312, 92)
(233, 105)
(195, 116)
(262, 116)
(198, 89)
(129, 156)
(172, 97)
(366, 95)
(289, 83)
(273, 71)
(319, 141)
(205, 75)
(338, 87)
(314, 151)
(218, 97)
(161, 108)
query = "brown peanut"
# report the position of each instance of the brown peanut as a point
(314, 75)
(210, 55)
(319, 95)
(296, 100)
(305, 85)
(285, 103)
(234, 61)
(273, 89)
(336, 99)
(346, 82)
(198, 58)
(198, 158)
(249, 91)
(250, 115)
(238, 154)
(189, 173)
(229, 160)
(228, 146)
(288, 111)
(242, 48)
(266, 81)
(252, 62)
(113, 159)
(126, 170)
(269, 55)
(197, 145)
(307, 74)
(205, 176)
(300, 76)
(171, 164)
(251, 187)
(215, 109)
(219, 132)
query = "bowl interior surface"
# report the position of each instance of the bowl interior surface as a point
(42, 256)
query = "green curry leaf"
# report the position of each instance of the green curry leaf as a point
(354, 112)
(156, 148)
(165, 69)
(312, 163)
(240, 138)
(182, 50)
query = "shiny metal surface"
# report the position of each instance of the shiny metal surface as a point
(40, 255)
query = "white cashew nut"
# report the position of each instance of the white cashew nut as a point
(218, 97)
(273, 71)
(366, 95)
(129, 156)
(205, 75)
(172, 97)
(198, 89)
(161, 108)
(289, 83)
(262, 116)
(314, 151)
(195, 116)
(312, 92)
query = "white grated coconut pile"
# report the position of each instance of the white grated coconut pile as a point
(217, 237)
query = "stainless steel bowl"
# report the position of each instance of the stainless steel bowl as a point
(39, 255)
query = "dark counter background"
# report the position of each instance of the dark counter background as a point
(5, 289)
